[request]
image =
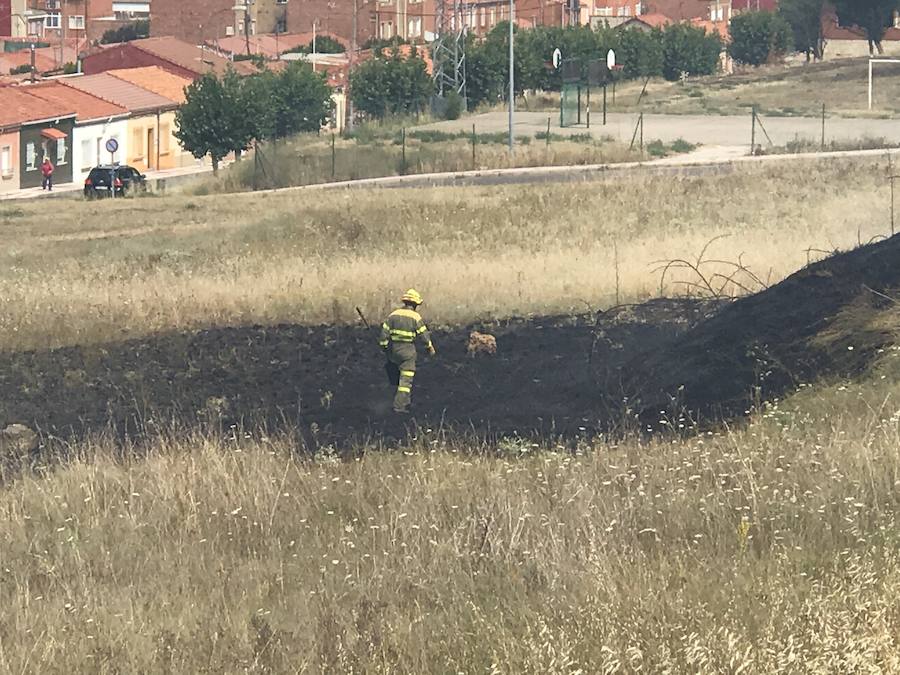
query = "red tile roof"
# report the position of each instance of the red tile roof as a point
(155, 79)
(122, 93)
(86, 106)
(654, 20)
(190, 57)
(18, 107)
(270, 45)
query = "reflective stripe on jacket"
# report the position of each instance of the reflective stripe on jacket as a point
(404, 326)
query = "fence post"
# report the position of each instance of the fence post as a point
(332, 155)
(642, 133)
(604, 105)
(823, 127)
(753, 130)
(473, 147)
(588, 108)
(403, 150)
(548, 131)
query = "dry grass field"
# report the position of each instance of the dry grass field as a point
(772, 549)
(109, 270)
(776, 90)
(768, 547)
(378, 151)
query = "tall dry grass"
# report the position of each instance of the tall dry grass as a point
(309, 160)
(768, 550)
(115, 269)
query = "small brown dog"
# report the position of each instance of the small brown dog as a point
(481, 343)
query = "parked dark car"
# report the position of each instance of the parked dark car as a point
(126, 179)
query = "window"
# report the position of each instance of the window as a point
(61, 151)
(137, 142)
(493, 16)
(483, 17)
(164, 136)
(281, 2)
(415, 27)
(76, 22)
(6, 168)
(51, 20)
(30, 157)
(87, 159)
(387, 30)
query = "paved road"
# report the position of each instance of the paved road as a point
(724, 130)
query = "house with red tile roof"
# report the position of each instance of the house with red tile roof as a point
(32, 128)
(150, 142)
(170, 54)
(96, 121)
(852, 41)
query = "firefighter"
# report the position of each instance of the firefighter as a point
(399, 334)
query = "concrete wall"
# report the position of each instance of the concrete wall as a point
(9, 146)
(842, 49)
(89, 148)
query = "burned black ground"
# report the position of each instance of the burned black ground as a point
(560, 376)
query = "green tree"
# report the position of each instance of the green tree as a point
(213, 120)
(391, 85)
(299, 101)
(688, 49)
(805, 19)
(873, 16)
(641, 53)
(758, 37)
(325, 45)
(131, 31)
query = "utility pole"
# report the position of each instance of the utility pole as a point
(512, 80)
(247, 25)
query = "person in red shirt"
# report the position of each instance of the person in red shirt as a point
(47, 170)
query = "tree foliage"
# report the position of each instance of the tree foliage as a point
(226, 114)
(758, 38)
(132, 31)
(213, 120)
(691, 50)
(873, 16)
(325, 44)
(391, 85)
(643, 54)
(805, 19)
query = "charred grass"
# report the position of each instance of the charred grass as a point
(771, 549)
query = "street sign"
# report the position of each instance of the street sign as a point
(112, 145)
(610, 59)
(557, 57)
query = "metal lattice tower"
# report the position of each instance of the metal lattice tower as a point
(449, 47)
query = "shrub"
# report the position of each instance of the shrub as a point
(453, 106)
(691, 50)
(759, 37)
(132, 31)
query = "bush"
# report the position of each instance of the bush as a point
(326, 45)
(391, 85)
(691, 50)
(453, 106)
(759, 37)
(641, 53)
(19, 70)
(132, 31)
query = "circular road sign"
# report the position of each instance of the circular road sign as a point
(112, 145)
(557, 58)
(610, 59)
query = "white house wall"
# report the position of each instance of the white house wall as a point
(89, 138)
